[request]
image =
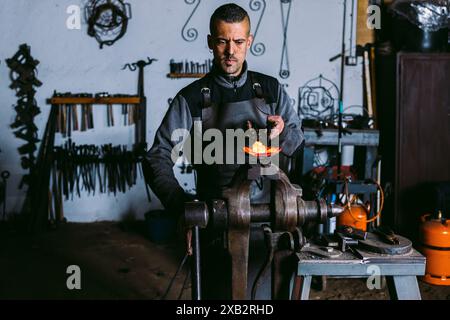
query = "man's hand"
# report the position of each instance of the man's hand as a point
(277, 126)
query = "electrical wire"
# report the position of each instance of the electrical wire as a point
(186, 279)
(183, 262)
(353, 199)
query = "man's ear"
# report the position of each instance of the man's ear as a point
(249, 41)
(210, 42)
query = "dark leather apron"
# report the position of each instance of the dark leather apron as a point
(213, 178)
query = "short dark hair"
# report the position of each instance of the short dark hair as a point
(230, 13)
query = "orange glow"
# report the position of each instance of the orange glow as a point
(258, 150)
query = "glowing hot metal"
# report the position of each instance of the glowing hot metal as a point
(258, 149)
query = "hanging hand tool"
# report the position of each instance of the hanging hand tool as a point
(131, 114)
(83, 118)
(125, 113)
(51, 213)
(69, 122)
(57, 195)
(63, 120)
(109, 121)
(75, 126)
(58, 120)
(141, 112)
(90, 117)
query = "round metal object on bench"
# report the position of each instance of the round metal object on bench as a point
(375, 244)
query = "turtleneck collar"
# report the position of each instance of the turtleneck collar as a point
(230, 81)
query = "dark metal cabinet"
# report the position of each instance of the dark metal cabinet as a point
(422, 132)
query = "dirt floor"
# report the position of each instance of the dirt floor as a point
(118, 261)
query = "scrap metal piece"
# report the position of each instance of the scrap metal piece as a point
(23, 70)
(387, 235)
(375, 243)
(326, 252)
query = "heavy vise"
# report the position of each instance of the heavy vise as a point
(285, 211)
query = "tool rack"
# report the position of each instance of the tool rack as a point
(38, 195)
(105, 101)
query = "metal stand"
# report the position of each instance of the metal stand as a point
(400, 271)
(329, 137)
(196, 274)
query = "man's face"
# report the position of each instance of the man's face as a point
(229, 43)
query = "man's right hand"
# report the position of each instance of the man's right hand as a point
(278, 126)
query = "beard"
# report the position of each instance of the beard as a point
(230, 65)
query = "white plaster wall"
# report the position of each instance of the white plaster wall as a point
(72, 61)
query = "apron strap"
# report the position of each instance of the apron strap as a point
(206, 91)
(206, 97)
(256, 86)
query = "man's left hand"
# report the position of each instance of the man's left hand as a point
(278, 126)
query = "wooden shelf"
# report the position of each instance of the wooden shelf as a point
(87, 100)
(185, 75)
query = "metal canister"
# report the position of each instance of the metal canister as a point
(435, 245)
(354, 216)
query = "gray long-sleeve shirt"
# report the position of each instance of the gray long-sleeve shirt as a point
(186, 108)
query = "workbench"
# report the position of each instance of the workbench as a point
(401, 271)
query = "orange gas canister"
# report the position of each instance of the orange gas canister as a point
(354, 216)
(435, 245)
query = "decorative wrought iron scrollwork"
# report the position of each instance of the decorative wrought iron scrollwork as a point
(190, 34)
(318, 99)
(258, 48)
(107, 20)
(284, 64)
